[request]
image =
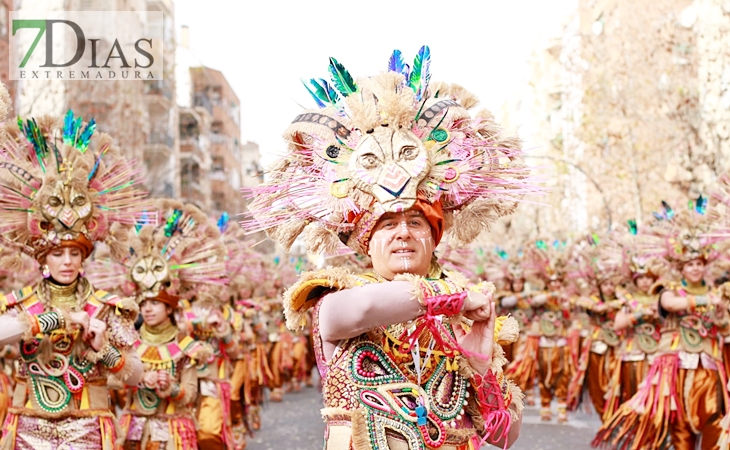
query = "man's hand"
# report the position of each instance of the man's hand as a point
(480, 340)
(477, 306)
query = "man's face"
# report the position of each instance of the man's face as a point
(401, 242)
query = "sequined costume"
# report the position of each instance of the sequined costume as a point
(372, 384)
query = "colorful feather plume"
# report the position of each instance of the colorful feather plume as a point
(397, 65)
(421, 74)
(341, 78)
(187, 242)
(111, 185)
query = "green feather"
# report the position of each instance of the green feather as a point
(341, 78)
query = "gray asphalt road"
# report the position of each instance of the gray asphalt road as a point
(295, 424)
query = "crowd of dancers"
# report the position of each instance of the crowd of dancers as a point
(149, 325)
(632, 324)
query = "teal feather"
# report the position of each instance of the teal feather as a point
(633, 229)
(69, 134)
(327, 91)
(341, 78)
(701, 205)
(421, 74)
(83, 142)
(541, 245)
(172, 221)
(35, 137)
(314, 96)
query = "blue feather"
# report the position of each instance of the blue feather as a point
(701, 205)
(397, 65)
(223, 222)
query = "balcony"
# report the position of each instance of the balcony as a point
(159, 92)
(160, 138)
(159, 144)
(203, 101)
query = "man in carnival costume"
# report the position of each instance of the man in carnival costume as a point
(164, 263)
(63, 188)
(687, 398)
(386, 165)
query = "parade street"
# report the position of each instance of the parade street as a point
(295, 424)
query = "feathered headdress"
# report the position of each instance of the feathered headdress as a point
(502, 265)
(458, 259)
(387, 143)
(683, 235)
(61, 183)
(168, 261)
(600, 258)
(244, 266)
(547, 260)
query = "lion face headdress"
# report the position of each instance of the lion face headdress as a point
(64, 184)
(546, 261)
(502, 265)
(382, 144)
(169, 261)
(683, 235)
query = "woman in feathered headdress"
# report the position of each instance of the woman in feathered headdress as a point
(164, 263)
(65, 187)
(686, 400)
(637, 322)
(386, 165)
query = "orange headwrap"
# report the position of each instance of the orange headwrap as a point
(365, 222)
(81, 242)
(168, 299)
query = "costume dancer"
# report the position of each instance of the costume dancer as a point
(385, 165)
(65, 187)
